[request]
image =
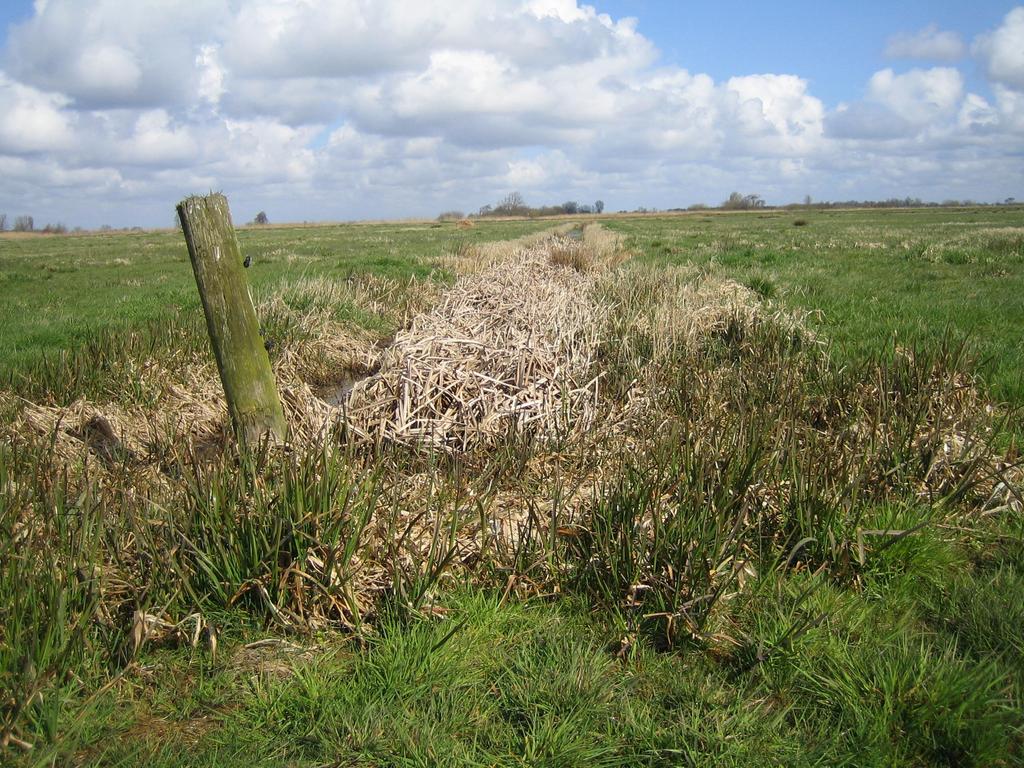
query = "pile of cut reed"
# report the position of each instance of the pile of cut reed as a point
(510, 348)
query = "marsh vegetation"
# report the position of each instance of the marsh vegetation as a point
(682, 490)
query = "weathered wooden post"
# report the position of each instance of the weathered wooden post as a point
(242, 359)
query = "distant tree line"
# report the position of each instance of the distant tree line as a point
(740, 202)
(27, 224)
(513, 204)
(897, 202)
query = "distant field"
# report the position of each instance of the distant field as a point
(877, 277)
(874, 277)
(63, 292)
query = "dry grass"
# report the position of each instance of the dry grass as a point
(517, 349)
(468, 258)
(508, 348)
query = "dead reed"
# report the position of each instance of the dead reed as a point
(506, 349)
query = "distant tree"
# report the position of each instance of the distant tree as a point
(3, 222)
(586, 209)
(599, 206)
(261, 218)
(451, 216)
(807, 201)
(24, 224)
(734, 202)
(570, 207)
(55, 229)
(1010, 201)
(486, 210)
(512, 203)
(738, 202)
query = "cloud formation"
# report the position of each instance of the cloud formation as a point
(357, 108)
(1002, 51)
(928, 43)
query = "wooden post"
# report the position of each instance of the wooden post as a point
(242, 359)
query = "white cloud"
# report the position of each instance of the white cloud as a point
(112, 53)
(904, 106)
(527, 174)
(108, 72)
(1010, 105)
(868, 121)
(30, 120)
(349, 108)
(976, 114)
(1002, 51)
(778, 107)
(563, 10)
(345, 38)
(929, 43)
(920, 95)
(211, 75)
(155, 141)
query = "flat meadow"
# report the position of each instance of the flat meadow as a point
(872, 278)
(684, 489)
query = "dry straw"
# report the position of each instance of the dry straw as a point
(509, 348)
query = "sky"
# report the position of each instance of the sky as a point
(111, 111)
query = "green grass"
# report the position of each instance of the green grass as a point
(775, 569)
(880, 682)
(74, 292)
(873, 278)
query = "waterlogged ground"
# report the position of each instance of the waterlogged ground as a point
(777, 553)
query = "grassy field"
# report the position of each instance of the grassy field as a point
(874, 279)
(781, 539)
(71, 293)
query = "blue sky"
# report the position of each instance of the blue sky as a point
(111, 110)
(836, 45)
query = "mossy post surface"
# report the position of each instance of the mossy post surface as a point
(242, 359)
